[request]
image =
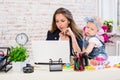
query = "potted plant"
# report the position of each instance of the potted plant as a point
(18, 54)
(109, 24)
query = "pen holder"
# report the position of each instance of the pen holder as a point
(78, 63)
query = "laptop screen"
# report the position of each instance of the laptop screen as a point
(45, 50)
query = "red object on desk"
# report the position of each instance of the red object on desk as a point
(100, 58)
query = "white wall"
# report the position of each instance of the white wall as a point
(34, 17)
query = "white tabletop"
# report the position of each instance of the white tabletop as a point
(44, 74)
(41, 72)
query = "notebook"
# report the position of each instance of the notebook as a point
(45, 50)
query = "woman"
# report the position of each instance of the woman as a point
(64, 28)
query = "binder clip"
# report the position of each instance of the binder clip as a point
(55, 65)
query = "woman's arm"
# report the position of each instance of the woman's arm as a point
(75, 45)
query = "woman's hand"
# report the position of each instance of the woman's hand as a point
(68, 32)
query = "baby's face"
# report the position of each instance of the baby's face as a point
(91, 29)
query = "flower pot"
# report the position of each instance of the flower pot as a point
(110, 29)
(18, 66)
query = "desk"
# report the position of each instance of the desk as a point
(42, 73)
(105, 74)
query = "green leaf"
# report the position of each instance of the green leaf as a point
(18, 53)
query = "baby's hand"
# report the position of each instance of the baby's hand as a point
(93, 62)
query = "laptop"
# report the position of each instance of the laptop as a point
(43, 51)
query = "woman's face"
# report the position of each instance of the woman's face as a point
(61, 22)
(91, 29)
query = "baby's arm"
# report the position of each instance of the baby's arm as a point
(89, 48)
